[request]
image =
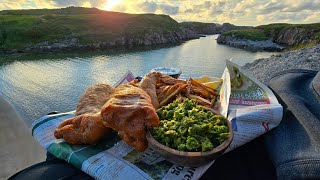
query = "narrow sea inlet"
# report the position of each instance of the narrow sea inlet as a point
(39, 84)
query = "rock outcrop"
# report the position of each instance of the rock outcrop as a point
(266, 45)
(293, 36)
(306, 58)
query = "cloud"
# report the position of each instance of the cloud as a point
(260, 18)
(93, 3)
(63, 3)
(149, 7)
(313, 17)
(271, 7)
(168, 9)
(297, 6)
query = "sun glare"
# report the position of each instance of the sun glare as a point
(111, 3)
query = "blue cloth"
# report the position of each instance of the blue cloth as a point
(294, 146)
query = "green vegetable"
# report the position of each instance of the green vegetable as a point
(189, 127)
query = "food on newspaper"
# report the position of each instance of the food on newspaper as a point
(187, 126)
(130, 109)
(82, 129)
(129, 106)
(94, 98)
(129, 112)
(86, 127)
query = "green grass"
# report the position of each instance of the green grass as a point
(252, 34)
(301, 46)
(23, 28)
(276, 28)
(195, 24)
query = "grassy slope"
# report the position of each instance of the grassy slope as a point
(195, 24)
(24, 28)
(252, 34)
(266, 31)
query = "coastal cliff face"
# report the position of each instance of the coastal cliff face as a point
(294, 36)
(273, 37)
(148, 39)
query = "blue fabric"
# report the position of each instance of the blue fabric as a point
(294, 146)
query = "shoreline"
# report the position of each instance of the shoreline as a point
(151, 40)
(251, 45)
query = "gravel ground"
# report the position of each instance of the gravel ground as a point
(264, 69)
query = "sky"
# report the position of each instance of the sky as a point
(239, 12)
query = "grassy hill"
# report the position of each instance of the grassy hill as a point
(24, 28)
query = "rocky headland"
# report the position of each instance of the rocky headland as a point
(251, 45)
(210, 28)
(306, 58)
(273, 37)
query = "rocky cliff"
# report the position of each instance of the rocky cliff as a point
(294, 36)
(148, 39)
(273, 37)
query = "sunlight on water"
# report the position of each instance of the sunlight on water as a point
(50, 83)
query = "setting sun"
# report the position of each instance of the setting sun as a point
(111, 3)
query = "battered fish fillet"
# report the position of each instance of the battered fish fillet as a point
(93, 99)
(82, 129)
(130, 112)
(148, 84)
(86, 127)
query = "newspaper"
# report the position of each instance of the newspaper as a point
(250, 106)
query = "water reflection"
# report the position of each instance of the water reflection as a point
(38, 84)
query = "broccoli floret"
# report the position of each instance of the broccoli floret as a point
(192, 144)
(182, 147)
(189, 127)
(206, 144)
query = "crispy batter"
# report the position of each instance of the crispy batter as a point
(130, 112)
(82, 129)
(86, 127)
(92, 100)
(148, 84)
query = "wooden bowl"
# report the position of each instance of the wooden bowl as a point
(190, 159)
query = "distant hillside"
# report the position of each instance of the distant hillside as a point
(76, 27)
(210, 28)
(289, 35)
